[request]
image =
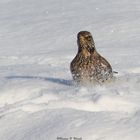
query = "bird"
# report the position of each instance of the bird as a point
(88, 66)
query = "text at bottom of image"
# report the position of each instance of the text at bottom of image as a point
(69, 138)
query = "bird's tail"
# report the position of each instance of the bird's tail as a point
(115, 72)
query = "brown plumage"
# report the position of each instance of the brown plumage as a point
(88, 65)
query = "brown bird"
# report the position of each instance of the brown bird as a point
(88, 65)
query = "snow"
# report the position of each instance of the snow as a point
(38, 99)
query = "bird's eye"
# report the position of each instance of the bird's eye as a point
(88, 38)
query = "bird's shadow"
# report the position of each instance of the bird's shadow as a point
(49, 79)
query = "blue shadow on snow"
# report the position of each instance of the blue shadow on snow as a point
(49, 79)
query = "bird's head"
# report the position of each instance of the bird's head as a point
(85, 41)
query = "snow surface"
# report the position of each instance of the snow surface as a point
(38, 100)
